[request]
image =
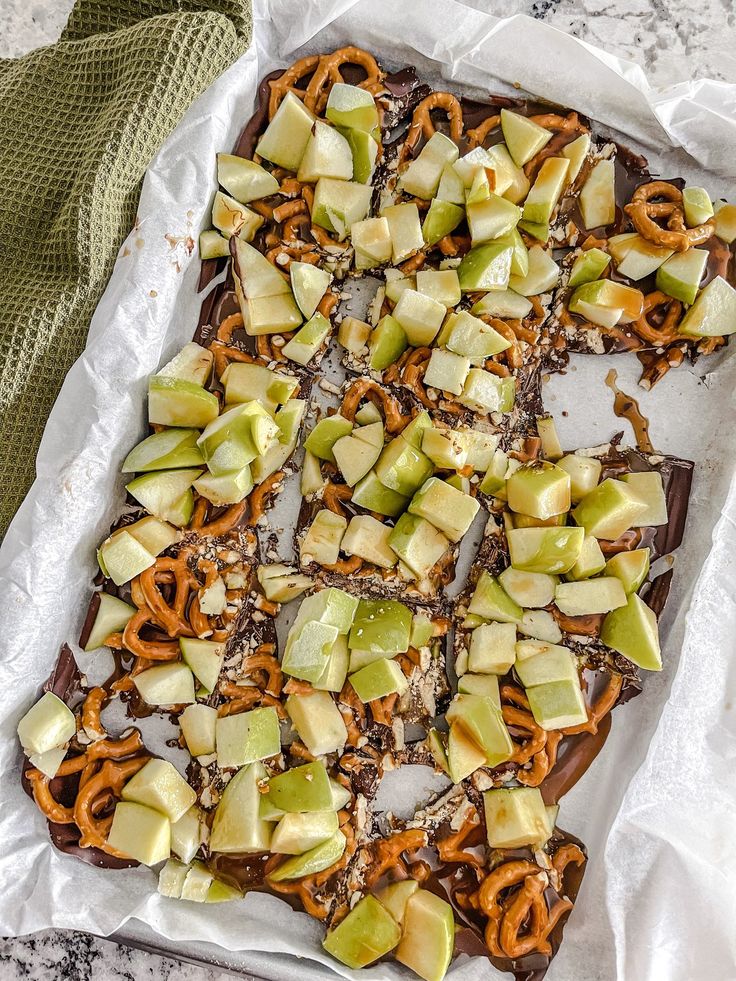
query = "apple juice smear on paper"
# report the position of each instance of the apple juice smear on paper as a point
(503, 236)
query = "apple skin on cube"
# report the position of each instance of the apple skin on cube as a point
(256, 275)
(555, 664)
(121, 557)
(442, 285)
(539, 489)
(515, 817)
(371, 239)
(307, 649)
(420, 317)
(171, 879)
(233, 218)
(542, 199)
(422, 177)
(590, 562)
(368, 537)
(428, 936)
(387, 343)
(323, 539)
(446, 508)
(353, 334)
(308, 340)
(442, 219)
(382, 626)
(609, 510)
(166, 684)
(402, 467)
(247, 737)
(309, 284)
(472, 338)
(542, 276)
(325, 434)
(244, 179)
(161, 492)
(176, 402)
(254, 382)
(227, 488)
(354, 458)
(631, 568)
(296, 834)
(681, 274)
(598, 196)
(491, 218)
(588, 267)
(167, 450)
(576, 152)
(557, 704)
(483, 723)
(367, 933)
(528, 589)
(338, 204)
(395, 897)
(160, 785)
(552, 550)
(46, 725)
(640, 258)
(492, 648)
(417, 543)
(302, 789)
(524, 138)
(287, 135)
(331, 606)
(486, 267)
(364, 149)
(317, 859)
(140, 832)
(318, 722)
(380, 678)
(237, 825)
(632, 631)
(111, 617)
(491, 602)
(444, 448)
(714, 312)
(590, 596)
(351, 106)
(327, 154)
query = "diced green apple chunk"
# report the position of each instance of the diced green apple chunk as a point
(584, 473)
(485, 392)
(352, 106)
(590, 562)
(491, 602)
(442, 285)
(428, 936)
(353, 334)
(472, 338)
(441, 219)
(166, 684)
(244, 179)
(327, 154)
(639, 258)
(371, 494)
(212, 245)
(257, 276)
(256, 383)
(713, 314)
(47, 725)
(590, 596)
(650, 491)
(233, 218)
(382, 626)
(402, 467)
(177, 402)
(503, 303)
(539, 489)
(406, 230)
(387, 343)
(287, 135)
(588, 267)
(160, 785)
(551, 550)
(140, 832)
(308, 340)
(121, 557)
(598, 196)
(697, 205)
(166, 450)
(576, 152)
(631, 568)
(542, 276)
(445, 507)
(237, 825)
(318, 722)
(464, 756)
(545, 193)
(632, 631)
(228, 488)
(528, 589)
(422, 177)
(725, 215)
(111, 617)
(486, 267)
(323, 538)
(368, 538)
(371, 240)
(309, 284)
(541, 625)
(553, 663)
(680, 275)
(482, 722)
(296, 834)
(492, 648)
(447, 371)
(557, 704)
(325, 434)
(524, 138)
(171, 878)
(339, 204)
(609, 510)
(491, 218)
(420, 317)
(378, 679)
(368, 932)
(515, 817)
(417, 543)
(302, 789)
(198, 728)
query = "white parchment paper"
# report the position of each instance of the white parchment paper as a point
(658, 808)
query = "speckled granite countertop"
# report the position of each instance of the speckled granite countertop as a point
(673, 40)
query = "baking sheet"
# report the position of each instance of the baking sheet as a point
(657, 809)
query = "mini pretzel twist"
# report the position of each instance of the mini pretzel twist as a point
(660, 199)
(329, 71)
(477, 136)
(659, 307)
(288, 82)
(422, 123)
(601, 707)
(450, 849)
(364, 388)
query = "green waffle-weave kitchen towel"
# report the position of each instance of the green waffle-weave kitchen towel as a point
(80, 121)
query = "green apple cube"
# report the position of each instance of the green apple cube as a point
(402, 467)
(325, 434)
(307, 649)
(372, 433)
(387, 343)
(212, 245)
(368, 932)
(176, 402)
(491, 602)
(598, 196)
(351, 106)
(480, 684)
(441, 285)
(713, 314)
(111, 617)
(338, 204)
(359, 659)
(354, 458)
(552, 550)
(640, 258)
(697, 205)
(725, 215)
(323, 538)
(606, 303)
(422, 176)
(287, 135)
(353, 334)
(486, 267)
(140, 832)
(222, 892)
(364, 150)
(528, 589)
(632, 631)
(244, 179)
(417, 543)
(492, 648)
(520, 254)
(584, 474)
(447, 371)
(482, 722)
(368, 538)
(609, 510)
(167, 450)
(445, 507)
(422, 631)
(536, 229)
(437, 743)
(546, 191)
(296, 834)
(395, 896)
(444, 448)
(477, 159)
(588, 267)
(413, 433)
(577, 153)
(161, 493)
(547, 431)
(491, 218)
(228, 488)
(197, 883)
(160, 785)
(192, 364)
(464, 756)
(590, 596)
(380, 678)
(371, 494)
(247, 737)
(204, 657)
(451, 188)
(166, 684)
(233, 218)
(632, 568)
(237, 825)
(396, 283)
(442, 219)
(541, 625)
(554, 664)
(318, 722)
(47, 725)
(311, 481)
(524, 138)
(648, 488)
(153, 534)
(371, 238)
(511, 178)
(382, 626)
(557, 704)
(248, 425)
(494, 480)
(539, 489)
(121, 558)
(503, 303)
(406, 230)
(542, 276)
(271, 315)
(309, 284)
(680, 275)
(474, 339)
(483, 392)
(171, 879)
(327, 154)
(301, 789)
(428, 936)
(420, 317)
(256, 383)
(188, 833)
(515, 817)
(289, 420)
(308, 340)
(283, 589)
(255, 274)
(590, 562)
(198, 728)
